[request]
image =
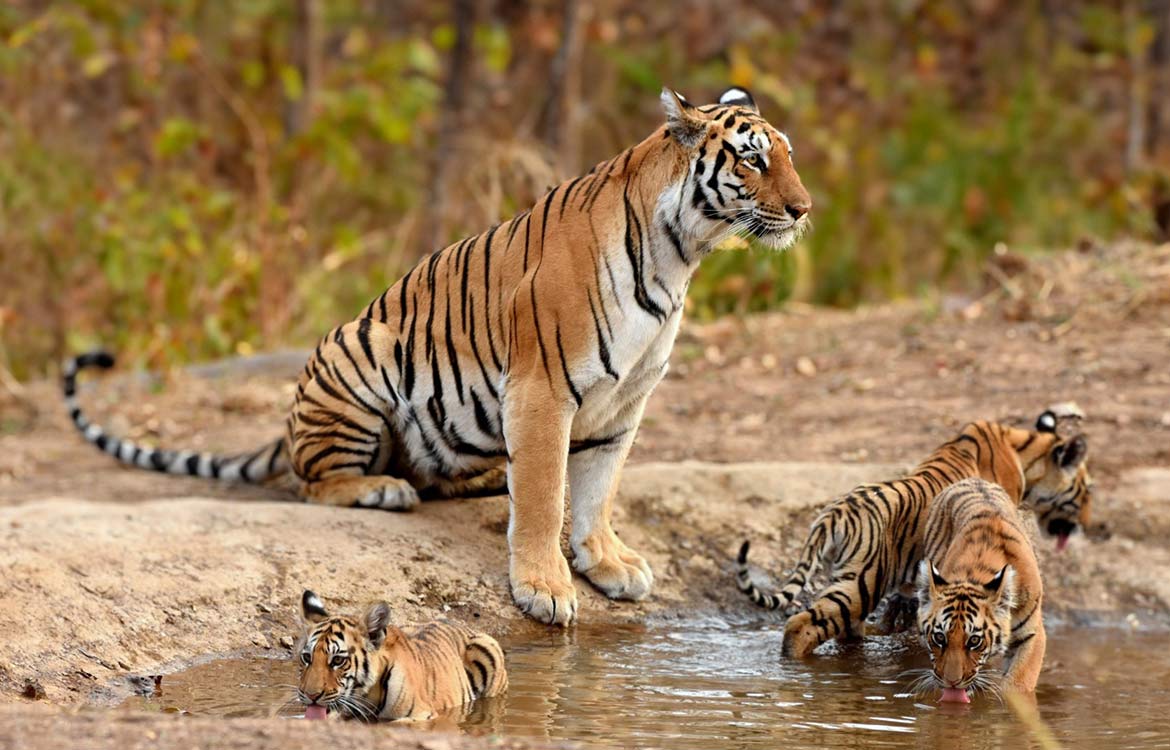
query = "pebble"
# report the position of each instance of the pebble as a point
(286, 641)
(261, 640)
(806, 367)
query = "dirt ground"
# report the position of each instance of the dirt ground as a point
(112, 574)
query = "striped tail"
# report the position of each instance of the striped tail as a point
(743, 579)
(787, 597)
(257, 466)
(484, 661)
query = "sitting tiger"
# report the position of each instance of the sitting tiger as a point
(520, 355)
(365, 668)
(979, 593)
(869, 541)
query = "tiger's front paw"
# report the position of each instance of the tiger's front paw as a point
(545, 592)
(611, 566)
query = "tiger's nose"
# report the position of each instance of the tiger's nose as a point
(796, 211)
(314, 698)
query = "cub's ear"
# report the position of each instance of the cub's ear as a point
(377, 620)
(311, 607)
(1046, 422)
(685, 122)
(929, 580)
(1070, 455)
(739, 97)
(1002, 587)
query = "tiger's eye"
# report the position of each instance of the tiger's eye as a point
(306, 657)
(974, 642)
(338, 661)
(754, 160)
(939, 638)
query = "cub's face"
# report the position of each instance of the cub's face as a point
(742, 177)
(1060, 489)
(963, 624)
(334, 652)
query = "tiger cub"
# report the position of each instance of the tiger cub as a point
(365, 668)
(979, 592)
(869, 541)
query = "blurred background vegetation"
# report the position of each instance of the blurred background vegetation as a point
(183, 179)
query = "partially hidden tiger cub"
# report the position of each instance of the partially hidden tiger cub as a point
(979, 593)
(526, 353)
(365, 668)
(869, 541)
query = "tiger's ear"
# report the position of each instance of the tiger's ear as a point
(377, 620)
(685, 122)
(739, 97)
(929, 580)
(1002, 588)
(1070, 455)
(311, 607)
(1046, 422)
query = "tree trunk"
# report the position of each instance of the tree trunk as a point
(298, 112)
(557, 117)
(435, 225)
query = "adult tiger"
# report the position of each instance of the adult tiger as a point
(979, 593)
(365, 668)
(870, 540)
(534, 344)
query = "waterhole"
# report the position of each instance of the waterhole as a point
(707, 685)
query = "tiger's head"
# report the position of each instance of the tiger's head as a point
(336, 654)
(1059, 487)
(740, 177)
(964, 623)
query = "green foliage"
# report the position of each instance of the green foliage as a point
(155, 198)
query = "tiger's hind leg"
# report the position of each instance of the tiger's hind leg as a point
(836, 613)
(340, 431)
(493, 481)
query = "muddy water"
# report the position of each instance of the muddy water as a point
(706, 685)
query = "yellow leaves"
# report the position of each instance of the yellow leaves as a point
(356, 43)
(291, 83)
(97, 63)
(182, 47)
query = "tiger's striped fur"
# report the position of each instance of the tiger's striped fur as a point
(869, 541)
(980, 591)
(528, 352)
(365, 668)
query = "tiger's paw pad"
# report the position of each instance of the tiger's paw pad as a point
(546, 600)
(391, 497)
(619, 575)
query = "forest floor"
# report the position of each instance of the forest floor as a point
(112, 574)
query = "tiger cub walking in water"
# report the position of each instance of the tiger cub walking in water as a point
(979, 592)
(365, 668)
(869, 541)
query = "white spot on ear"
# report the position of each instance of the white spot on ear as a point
(314, 603)
(787, 143)
(734, 95)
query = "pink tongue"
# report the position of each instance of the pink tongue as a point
(314, 712)
(955, 695)
(1061, 542)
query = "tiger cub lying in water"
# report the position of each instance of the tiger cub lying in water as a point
(979, 592)
(365, 668)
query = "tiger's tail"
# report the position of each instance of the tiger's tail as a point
(484, 661)
(787, 597)
(257, 466)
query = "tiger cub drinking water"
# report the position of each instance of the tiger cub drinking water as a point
(869, 541)
(365, 668)
(979, 592)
